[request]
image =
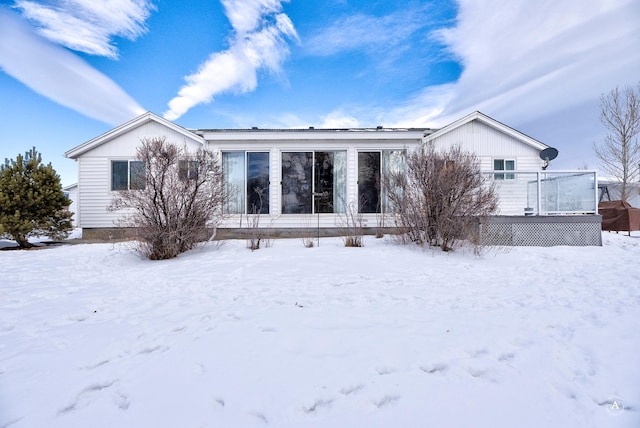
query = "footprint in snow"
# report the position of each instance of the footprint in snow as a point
(506, 357)
(85, 395)
(96, 365)
(385, 370)
(259, 416)
(317, 405)
(434, 368)
(350, 390)
(483, 374)
(478, 353)
(121, 400)
(385, 401)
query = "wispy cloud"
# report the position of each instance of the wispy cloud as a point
(339, 119)
(88, 25)
(259, 41)
(523, 60)
(369, 33)
(59, 75)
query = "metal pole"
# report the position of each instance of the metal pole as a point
(539, 193)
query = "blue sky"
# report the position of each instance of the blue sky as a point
(73, 69)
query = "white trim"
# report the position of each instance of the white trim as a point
(489, 122)
(123, 129)
(506, 173)
(311, 135)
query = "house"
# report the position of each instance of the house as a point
(71, 192)
(303, 178)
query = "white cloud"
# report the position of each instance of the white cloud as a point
(59, 75)
(339, 119)
(88, 25)
(523, 60)
(373, 34)
(259, 42)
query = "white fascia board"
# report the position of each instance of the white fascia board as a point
(481, 117)
(257, 135)
(70, 186)
(126, 127)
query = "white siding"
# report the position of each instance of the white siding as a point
(94, 193)
(486, 142)
(125, 145)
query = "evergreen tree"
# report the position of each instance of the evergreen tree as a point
(31, 200)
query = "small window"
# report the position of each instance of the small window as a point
(128, 175)
(188, 170)
(504, 165)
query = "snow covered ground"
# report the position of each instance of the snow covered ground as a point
(381, 336)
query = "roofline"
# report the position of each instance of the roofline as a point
(311, 129)
(126, 127)
(477, 115)
(211, 135)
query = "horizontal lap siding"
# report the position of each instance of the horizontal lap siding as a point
(94, 189)
(93, 193)
(488, 144)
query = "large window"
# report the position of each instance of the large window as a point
(314, 182)
(372, 166)
(246, 179)
(504, 165)
(128, 175)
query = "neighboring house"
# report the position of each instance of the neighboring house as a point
(302, 178)
(71, 192)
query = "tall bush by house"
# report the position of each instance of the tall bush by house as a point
(177, 196)
(440, 196)
(32, 202)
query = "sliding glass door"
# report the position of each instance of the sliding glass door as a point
(314, 182)
(246, 179)
(372, 166)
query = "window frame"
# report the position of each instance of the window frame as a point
(338, 198)
(385, 166)
(246, 198)
(504, 175)
(131, 181)
(188, 169)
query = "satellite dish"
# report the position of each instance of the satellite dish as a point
(547, 155)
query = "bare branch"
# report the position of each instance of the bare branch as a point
(173, 210)
(441, 195)
(619, 154)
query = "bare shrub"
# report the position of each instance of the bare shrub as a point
(177, 196)
(440, 197)
(257, 235)
(309, 233)
(353, 224)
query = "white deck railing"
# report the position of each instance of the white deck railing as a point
(545, 192)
